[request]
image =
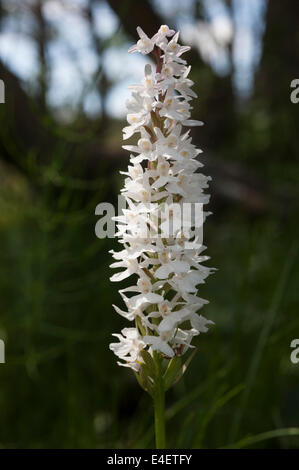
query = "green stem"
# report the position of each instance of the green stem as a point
(159, 404)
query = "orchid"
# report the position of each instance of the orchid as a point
(161, 179)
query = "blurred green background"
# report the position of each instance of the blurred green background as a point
(66, 69)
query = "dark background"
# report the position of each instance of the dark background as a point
(65, 67)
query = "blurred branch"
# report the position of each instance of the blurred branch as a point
(232, 182)
(236, 183)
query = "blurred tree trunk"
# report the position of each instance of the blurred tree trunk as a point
(22, 130)
(101, 80)
(280, 57)
(132, 13)
(215, 93)
(279, 66)
(41, 39)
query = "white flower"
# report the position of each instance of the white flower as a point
(173, 50)
(181, 342)
(161, 178)
(198, 322)
(159, 343)
(129, 347)
(145, 45)
(184, 84)
(174, 107)
(169, 265)
(160, 37)
(131, 265)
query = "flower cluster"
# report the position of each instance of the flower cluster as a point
(163, 303)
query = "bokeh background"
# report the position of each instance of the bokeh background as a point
(66, 70)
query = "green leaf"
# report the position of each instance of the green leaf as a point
(149, 363)
(173, 369)
(148, 385)
(250, 440)
(216, 406)
(140, 381)
(194, 394)
(143, 380)
(185, 366)
(140, 326)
